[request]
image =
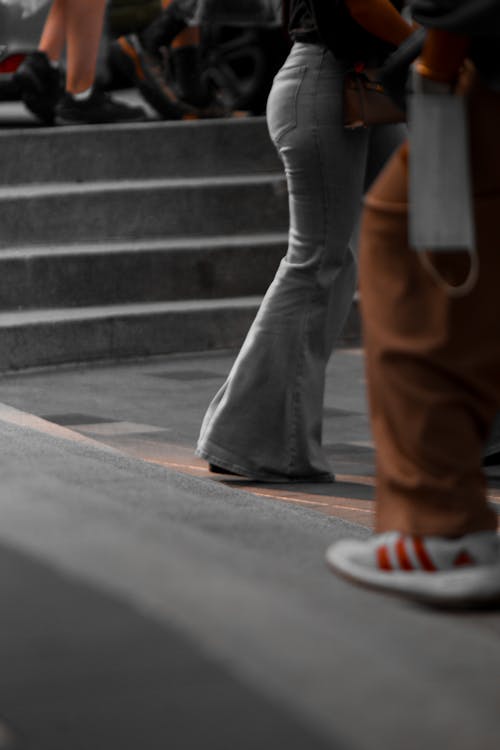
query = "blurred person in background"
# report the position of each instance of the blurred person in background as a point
(74, 26)
(167, 60)
(173, 32)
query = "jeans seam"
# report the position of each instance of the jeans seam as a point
(326, 213)
(293, 124)
(304, 328)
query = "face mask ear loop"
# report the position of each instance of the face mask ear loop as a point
(461, 290)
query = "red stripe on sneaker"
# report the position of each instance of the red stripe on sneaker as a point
(423, 557)
(403, 559)
(383, 558)
(463, 558)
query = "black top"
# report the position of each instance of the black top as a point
(332, 24)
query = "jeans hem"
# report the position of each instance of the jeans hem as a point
(277, 478)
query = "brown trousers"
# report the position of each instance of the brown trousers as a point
(433, 362)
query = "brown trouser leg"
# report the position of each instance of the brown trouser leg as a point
(433, 362)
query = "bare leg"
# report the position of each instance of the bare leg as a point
(76, 25)
(84, 23)
(54, 32)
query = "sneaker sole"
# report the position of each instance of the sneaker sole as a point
(462, 588)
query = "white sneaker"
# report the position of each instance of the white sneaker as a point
(447, 572)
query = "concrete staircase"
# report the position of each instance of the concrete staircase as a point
(135, 240)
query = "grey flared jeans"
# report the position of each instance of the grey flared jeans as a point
(266, 420)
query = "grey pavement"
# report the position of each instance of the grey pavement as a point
(146, 603)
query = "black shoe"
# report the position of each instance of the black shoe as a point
(97, 108)
(215, 469)
(40, 86)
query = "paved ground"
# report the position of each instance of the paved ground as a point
(153, 411)
(146, 604)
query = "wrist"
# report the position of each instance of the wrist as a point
(423, 83)
(432, 74)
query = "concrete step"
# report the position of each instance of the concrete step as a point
(136, 151)
(38, 338)
(135, 240)
(142, 271)
(52, 337)
(127, 210)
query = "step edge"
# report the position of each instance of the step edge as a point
(25, 318)
(57, 189)
(108, 129)
(167, 244)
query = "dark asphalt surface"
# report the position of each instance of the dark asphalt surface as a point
(149, 606)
